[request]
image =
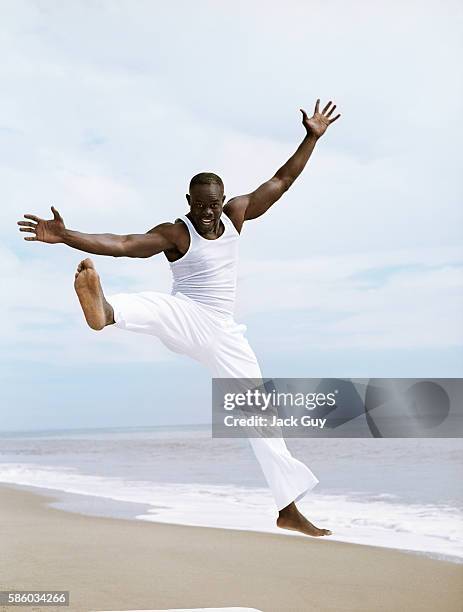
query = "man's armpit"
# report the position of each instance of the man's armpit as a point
(235, 209)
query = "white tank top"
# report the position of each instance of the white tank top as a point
(207, 272)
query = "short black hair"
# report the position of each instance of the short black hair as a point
(206, 178)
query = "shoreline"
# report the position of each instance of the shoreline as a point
(112, 563)
(59, 499)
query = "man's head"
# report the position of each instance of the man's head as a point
(206, 200)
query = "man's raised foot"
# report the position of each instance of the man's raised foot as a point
(98, 313)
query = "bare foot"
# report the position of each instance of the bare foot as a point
(291, 518)
(90, 294)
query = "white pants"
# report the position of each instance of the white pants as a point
(218, 342)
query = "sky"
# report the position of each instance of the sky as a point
(107, 110)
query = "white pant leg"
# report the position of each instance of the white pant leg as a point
(184, 327)
(178, 322)
(288, 478)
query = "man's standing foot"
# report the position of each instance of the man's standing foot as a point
(98, 313)
(291, 518)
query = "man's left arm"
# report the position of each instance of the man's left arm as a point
(253, 205)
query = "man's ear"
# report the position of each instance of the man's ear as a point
(187, 195)
(223, 198)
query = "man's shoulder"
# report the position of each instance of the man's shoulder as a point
(175, 234)
(236, 204)
(168, 228)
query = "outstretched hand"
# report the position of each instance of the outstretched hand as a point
(44, 230)
(317, 125)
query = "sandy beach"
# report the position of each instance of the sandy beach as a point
(115, 564)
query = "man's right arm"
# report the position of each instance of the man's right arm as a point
(53, 231)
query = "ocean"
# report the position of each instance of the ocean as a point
(397, 493)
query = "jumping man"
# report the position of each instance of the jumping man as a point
(196, 319)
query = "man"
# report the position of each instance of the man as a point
(197, 318)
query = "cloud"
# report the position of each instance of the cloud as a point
(361, 252)
(368, 301)
(41, 320)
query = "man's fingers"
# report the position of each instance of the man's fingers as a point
(304, 114)
(334, 118)
(56, 214)
(33, 217)
(326, 107)
(331, 111)
(27, 223)
(317, 105)
(27, 229)
(31, 238)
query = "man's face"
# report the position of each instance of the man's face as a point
(206, 203)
